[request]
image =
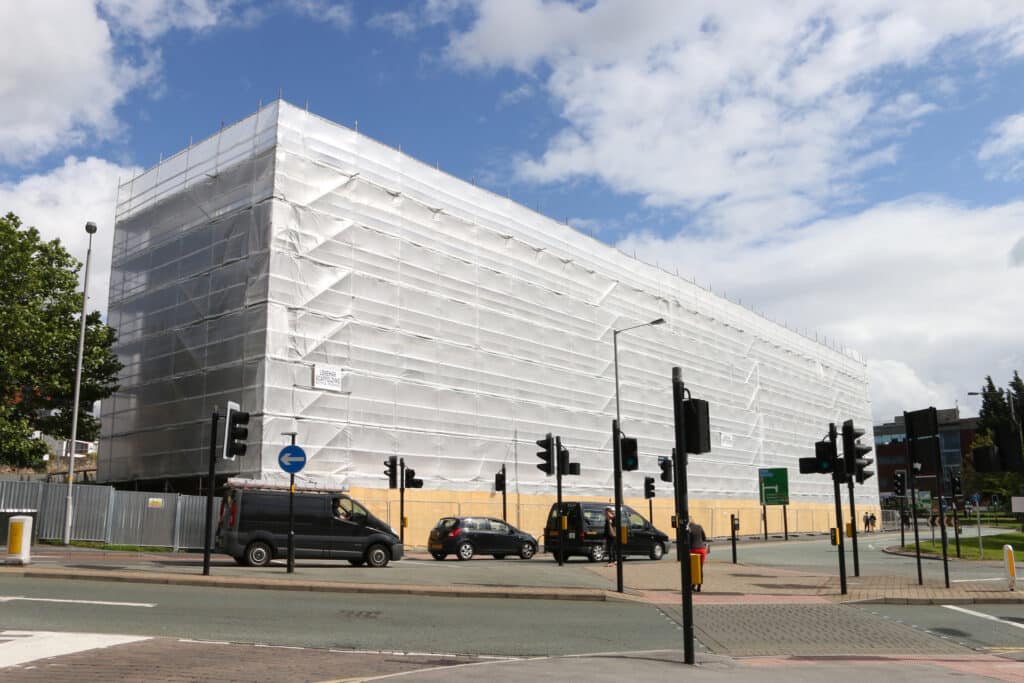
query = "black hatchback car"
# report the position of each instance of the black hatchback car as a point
(466, 537)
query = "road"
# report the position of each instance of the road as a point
(347, 621)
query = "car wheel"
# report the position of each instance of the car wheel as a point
(258, 554)
(378, 556)
(357, 563)
(657, 551)
(596, 553)
(465, 551)
(439, 556)
(527, 551)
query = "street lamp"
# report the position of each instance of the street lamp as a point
(616, 451)
(90, 228)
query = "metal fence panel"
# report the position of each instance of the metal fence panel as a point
(142, 518)
(192, 521)
(20, 495)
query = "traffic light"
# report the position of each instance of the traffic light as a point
(629, 454)
(824, 460)
(854, 461)
(499, 480)
(899, 483)
(237, 433)
(564, 466)
(411, 482)
(697, 426)
(955, 488)
(547, 454)
(665, 463)
(649, 487)
(391, 469)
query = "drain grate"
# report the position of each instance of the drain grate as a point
(358, 614)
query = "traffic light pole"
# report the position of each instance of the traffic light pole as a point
(401, 500)
(561, 513)
(504, 495)
(903, 514)
(912, 482)
(839, 514)
(209, 493)
(956, 526)
(683, 513)
(617, 466)
(853, 526)
(942, 517)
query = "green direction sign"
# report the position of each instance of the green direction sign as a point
(774, 486)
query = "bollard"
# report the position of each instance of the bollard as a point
(1011, 569)
(19, 540)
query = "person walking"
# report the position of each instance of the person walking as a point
(872, 521)
(609, 535)
(867, 522)
(699, 546)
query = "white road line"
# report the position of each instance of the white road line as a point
(29, 646)
(983, 616)
(9, 598)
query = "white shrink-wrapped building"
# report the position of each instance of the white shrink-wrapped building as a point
(378, 306)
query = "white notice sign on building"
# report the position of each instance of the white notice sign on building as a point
(327, 377)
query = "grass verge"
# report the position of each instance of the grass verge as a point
(992, 546)
(107, 546)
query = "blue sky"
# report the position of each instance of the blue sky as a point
(852, 169)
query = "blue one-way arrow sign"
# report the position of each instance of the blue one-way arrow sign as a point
(292, 459)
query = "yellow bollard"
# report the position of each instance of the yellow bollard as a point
(1011, 569)
(19, 540)
(696, 571)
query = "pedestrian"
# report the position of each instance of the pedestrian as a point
(699, 546)
(873, 521)
(867, 522)
(609, 535)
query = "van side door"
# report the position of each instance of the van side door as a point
(348, 532)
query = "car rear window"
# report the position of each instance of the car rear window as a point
(446, 523)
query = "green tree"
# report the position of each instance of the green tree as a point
(40, 304)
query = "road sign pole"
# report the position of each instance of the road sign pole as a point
(832, 434)
(291, 518)
(732, 527)
(785, 523)
(504, 495)
(764, 520)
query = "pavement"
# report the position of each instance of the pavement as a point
(740, 596)
(644, 580)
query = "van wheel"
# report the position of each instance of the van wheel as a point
(378, 556)
(527, 551)
(657, 551)
(258, 554)
(596, 553)
(465, 551)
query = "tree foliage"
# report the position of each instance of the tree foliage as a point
(40, 305)
(999, 422)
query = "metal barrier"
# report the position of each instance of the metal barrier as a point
(105, 515)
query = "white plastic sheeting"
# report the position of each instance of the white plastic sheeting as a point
(464, 325)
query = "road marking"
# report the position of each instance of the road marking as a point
(9, 598)
(28, 646)
(1000, 578)
(983, 616)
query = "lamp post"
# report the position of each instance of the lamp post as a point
(617, 464)
(90, 228)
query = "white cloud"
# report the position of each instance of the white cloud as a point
(337, 14)
(60, 202)
(923, 284)
(398, 23)
(152, 18)
(728, 106)
(1005, 147)
(59, 79)
(896, 387)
